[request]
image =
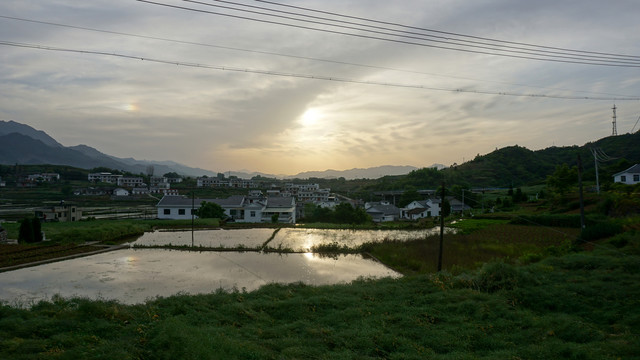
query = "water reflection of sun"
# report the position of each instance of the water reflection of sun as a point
(132, 260)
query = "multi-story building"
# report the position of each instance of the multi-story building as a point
(307, 192)
(129, 181)
(221, 182)
(61, 212)
(104, 177)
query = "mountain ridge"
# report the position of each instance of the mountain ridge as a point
(20, 143)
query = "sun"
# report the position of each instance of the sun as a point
(310, 117)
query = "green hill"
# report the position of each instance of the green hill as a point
(518, 166)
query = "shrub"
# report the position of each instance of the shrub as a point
(600, 231)
(30, 230)
(495, 276)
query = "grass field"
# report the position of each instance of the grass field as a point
(508, 291)
(581, 305)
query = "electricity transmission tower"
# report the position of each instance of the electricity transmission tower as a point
(615, 131)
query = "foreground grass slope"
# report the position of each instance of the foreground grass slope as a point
(583, 305)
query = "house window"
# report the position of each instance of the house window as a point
(636, 177)
(181, 211)
(623, 178)
(253, 213)
(167, 211)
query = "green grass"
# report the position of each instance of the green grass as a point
(106, 230)
(467, 226)
(481, 241)
(583, 305)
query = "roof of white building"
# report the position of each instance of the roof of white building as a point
(635, 169)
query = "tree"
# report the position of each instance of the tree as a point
(519, 196)
(36, 227)
(409, 195)
(25, 234)
(562, 178)
(66, 190)
(172, 175)
(30, 230)
(210, 210)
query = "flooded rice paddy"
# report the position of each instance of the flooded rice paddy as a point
(135, 275)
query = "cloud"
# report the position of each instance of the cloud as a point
(224, 120)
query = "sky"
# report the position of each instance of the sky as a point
(231, 90)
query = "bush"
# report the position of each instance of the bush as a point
(600, 231)
(548, 220)
(497, 276)
(30, 230)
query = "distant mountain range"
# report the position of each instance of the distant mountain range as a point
(22, 144)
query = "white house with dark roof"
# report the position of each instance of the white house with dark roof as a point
(420, 209)
(630, 176)
(382, 211)
(236, 207)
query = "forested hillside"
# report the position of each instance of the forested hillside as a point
(518, 166)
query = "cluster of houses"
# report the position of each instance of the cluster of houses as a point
(287, 205)
(133, 185)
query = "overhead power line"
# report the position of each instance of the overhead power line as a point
(427, 34)
(447, 33)
(412, 38)
(209, 45)
(303, 76)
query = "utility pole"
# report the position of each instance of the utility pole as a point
(582, 225)
(595, 159)
(615, 131)
(441, 230)
(193, 194)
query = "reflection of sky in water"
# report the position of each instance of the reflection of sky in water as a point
(303, 239)
(132, 276)
(288, 238)
(208, 238)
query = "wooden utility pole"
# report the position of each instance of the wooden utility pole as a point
(441, 229)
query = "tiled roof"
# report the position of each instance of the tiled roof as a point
(175, 200)
(284, 202)
(635, 169)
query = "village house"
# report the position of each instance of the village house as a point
(61, 212)
(159, 182)
(382, 211)
(237, 208)
(130, 181)
(105, 177)
(630, 176)
(232, 182)
(307, 192)
(420, 209)
(120, 192)
(44, 177)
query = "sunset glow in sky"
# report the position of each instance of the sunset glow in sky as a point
(224, 89)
